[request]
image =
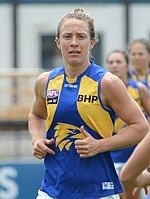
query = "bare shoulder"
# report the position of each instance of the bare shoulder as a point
(40, 84)
(112, 89)
(110, 81)
(42, 77)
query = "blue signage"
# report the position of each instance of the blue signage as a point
(20, 180)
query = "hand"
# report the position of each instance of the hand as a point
(87, 147)
(40, 147)
(137, 189)
(144, 182)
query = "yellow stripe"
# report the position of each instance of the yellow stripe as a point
(120, 124)
(92, 113)
(71, 81)
(51, 108)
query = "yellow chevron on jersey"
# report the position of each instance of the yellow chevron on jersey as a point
(134, 93)
(145, 79)
(92, 113)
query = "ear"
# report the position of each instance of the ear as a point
(57, 42)
(92, 46)
(93, 42)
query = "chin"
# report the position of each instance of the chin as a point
(74, 62)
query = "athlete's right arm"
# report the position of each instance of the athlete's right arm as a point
(37, 118)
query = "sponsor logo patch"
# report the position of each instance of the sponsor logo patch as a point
(107, 185)
(87, 98)
(70, 86)
(52, 96)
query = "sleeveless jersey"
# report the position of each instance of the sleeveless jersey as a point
(72, 103)
(122, 155)
(144, 79)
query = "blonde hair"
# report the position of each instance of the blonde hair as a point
(79, 14)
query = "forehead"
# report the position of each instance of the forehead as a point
(116, 55)
(138, 47)
(70, 25)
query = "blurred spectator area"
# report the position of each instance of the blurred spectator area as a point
(16, 96)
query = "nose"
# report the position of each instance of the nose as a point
(135, 56)
(113, 64)
(74, 41)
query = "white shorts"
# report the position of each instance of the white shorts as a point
(43, 195)
(112, 197)
(118, 167)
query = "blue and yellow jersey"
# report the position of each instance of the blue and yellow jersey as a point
(122, 155)
(72, 103)
(144, 79)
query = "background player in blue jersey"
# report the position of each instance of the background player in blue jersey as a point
(139, 55)
(72, 116)
(118, 61)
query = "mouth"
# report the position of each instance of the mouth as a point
(115, 72)
(74, 52)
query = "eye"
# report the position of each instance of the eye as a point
(133, 54)
(66, 36)
(81, 36)
(119, 62)
(141, 54)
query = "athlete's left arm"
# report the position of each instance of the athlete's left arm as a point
(114, 94)
(145, 98)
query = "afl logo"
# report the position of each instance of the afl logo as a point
(52, 96)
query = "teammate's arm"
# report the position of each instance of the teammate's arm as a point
(137, 162)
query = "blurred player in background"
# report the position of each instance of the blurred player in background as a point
(117, 62)
(139, 55)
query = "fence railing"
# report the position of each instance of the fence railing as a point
(16, 96)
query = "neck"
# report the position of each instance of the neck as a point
(142, 71)
(75, 70)
(125, 80)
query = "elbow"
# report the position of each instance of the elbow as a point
(30, 116)
(125, 177)
(146, 127)
(143, 129)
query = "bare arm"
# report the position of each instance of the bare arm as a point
(37, 117)
(137, 162)
(115, 95)
(145, 98)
